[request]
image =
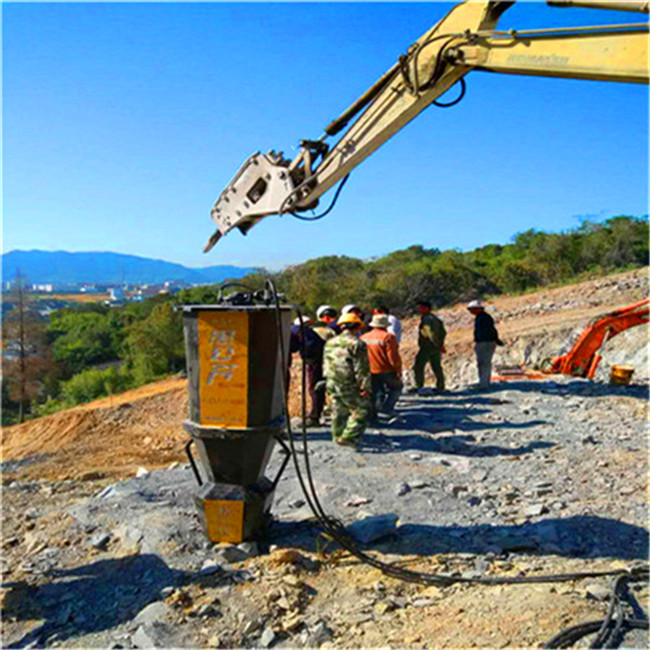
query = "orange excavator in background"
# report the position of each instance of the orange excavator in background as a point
(584, 357)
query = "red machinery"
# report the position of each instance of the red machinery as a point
(583, 358)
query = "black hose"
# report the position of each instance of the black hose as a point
(338, 531)
(285, 390)
(227, 285)
(463, 90)
(614, 608)
(571, 635)
(331, 207)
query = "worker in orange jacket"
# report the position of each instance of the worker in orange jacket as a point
(385, 366)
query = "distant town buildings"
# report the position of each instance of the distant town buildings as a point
(43, 288)
(116, 294)
(111, 294)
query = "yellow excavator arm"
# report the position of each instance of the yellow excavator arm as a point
(465, 39)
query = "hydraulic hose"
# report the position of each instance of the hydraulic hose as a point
(607, 633)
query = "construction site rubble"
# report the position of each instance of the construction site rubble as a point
(530, 477)
(504, 482)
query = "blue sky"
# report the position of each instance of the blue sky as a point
(123, 122)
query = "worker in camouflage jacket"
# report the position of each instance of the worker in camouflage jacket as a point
(431, 342)
(347, 373)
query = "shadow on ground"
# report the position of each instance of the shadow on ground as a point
(87, 599)
(578, 537)
(579, 388)
(456, 445)
(11, 466)
(419, 432)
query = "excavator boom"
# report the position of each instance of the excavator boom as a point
(465, 39)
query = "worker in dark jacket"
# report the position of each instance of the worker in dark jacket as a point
(311, 351)
(486, 339)
(431, 342)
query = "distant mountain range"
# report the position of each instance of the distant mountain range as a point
(61, 267)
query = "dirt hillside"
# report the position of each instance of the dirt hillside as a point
(108, 437)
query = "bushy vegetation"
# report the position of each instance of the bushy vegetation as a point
(146, 339)
(84, 336)
(155, 346)
(86, 386)
(534, 259)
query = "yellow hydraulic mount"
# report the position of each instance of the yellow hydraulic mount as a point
(465, 39)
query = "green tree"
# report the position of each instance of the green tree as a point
(155, 345)
(516, 275)
(83, 338)
(91, 384)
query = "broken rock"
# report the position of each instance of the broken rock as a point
(455, 490)
(356, 501)
(371, 529)
(319, 634)
(536, 509)
(403, 488)
(249, 548)
(150, 636)
(595, 591)
(209, 567)
(230, 554)
(99, 541)
(152, 613)
(267, 638)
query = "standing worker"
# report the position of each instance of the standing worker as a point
(347, 373)
(431, 342)
(486, 339)
(326, 326)
(385, 366)
(311, 350)
(358, 312)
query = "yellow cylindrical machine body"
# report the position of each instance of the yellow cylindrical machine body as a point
(235, 365)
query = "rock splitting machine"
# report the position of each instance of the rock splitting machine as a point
(237, 356)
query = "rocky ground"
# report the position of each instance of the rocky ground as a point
(533, 477)
(102, 546)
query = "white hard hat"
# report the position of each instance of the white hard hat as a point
(348, 308)
(302, 320)
(475, 304)
(322, 309)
